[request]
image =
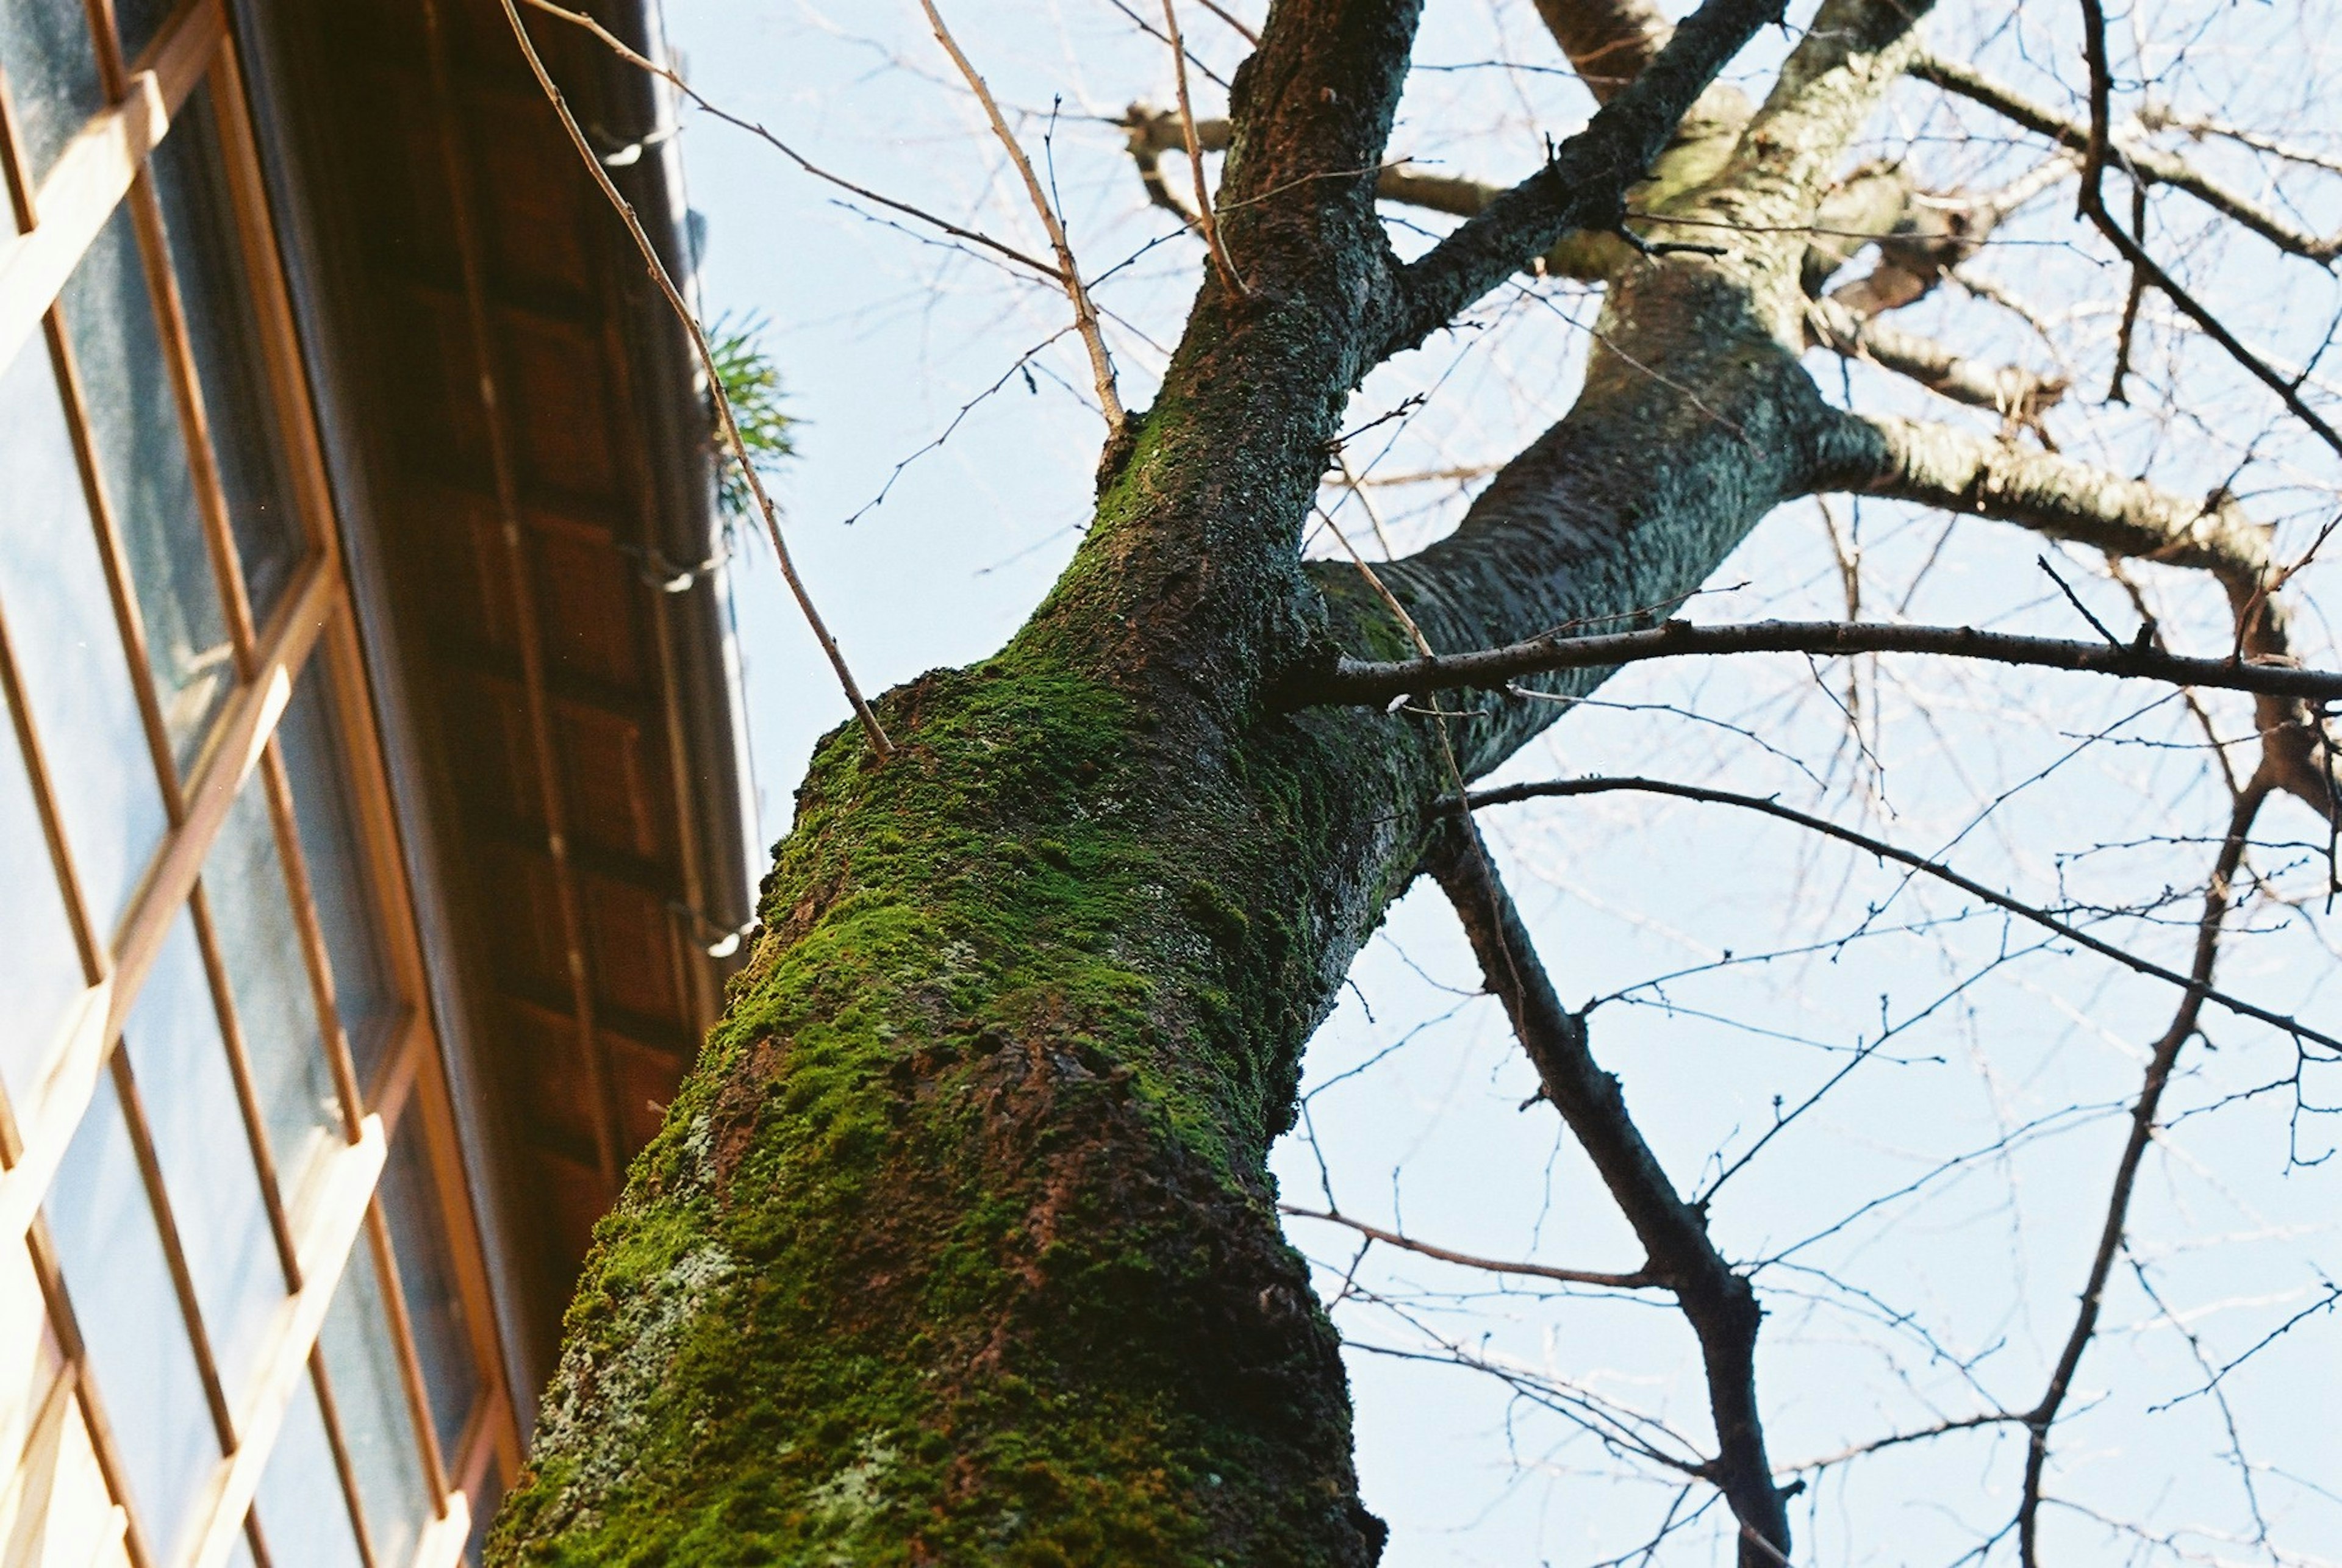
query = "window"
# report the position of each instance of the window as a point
(244, 1317)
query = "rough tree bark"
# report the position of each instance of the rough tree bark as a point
(959, 1246)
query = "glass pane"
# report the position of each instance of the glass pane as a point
(181, 1066)
(302, 1509)
(484, 1513)
(141, 459)
(61, 623)
(191, 179)
(426, 1274)
(137, 22)
(252, 912)
(143, 466)
(361, 1364)
(330, 845)
(140, 1361)
(52, 66)
(40, 969)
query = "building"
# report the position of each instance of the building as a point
(372, 841)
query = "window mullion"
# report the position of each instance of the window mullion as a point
(95, 959)
(94, 171)
(410, 1365)
(279, 785)
(242, 728)
(128, 622)
(182, 1279)
(332, 1413)
(13, 165)
(248, 1099)
(280, 338)
(178, 354)
(331, 1228)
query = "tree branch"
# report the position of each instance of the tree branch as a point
(1358, 681)
(1583, 185)
(2198, 990)
(2160, 1062)
(1958, 470)
(1205, 221)
(673, 78)
(1938, 465)
(2144, 162)
(1085, 316)
(2094, 207)
(2016, 394)
(1608, 42)
(1641, 1278)
(1717, 1302)
(739, 450)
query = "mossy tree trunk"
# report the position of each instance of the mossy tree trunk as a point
(959, 1246)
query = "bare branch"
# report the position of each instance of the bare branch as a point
(1583, 185)
(1717, 1302)
(1490, 669)
(2198, 991)
(1205, 221)
(2162, 116)
(1924, 235)
(1959, 470)
(2064, 498)
(1641, 1278)
(667, 73)
(1154, 131)
(1086, 316)
(2016, 394)
(2094, 207)
(2144, 162)
(707, 356)
(1236, 24)
(2165, 1055)
(1608, 42)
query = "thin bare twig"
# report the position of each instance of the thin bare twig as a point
(1085, 314)
(1241, 28)
(2145, 163)
(739, 450)
(668, 74)
(2093, 206)
(1205, 221)
(2043, 1413)
(1510, 794)
(1639, 1280)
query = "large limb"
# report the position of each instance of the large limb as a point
(1695, 361)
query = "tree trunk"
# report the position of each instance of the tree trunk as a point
(959, 1246)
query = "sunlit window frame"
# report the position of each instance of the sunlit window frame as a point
(102, 168)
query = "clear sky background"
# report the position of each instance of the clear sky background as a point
(1928, 1219)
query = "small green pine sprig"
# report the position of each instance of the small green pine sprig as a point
(752, 383)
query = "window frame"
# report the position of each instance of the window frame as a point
(310, 633)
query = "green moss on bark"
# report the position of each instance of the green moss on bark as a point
(958, 1247)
